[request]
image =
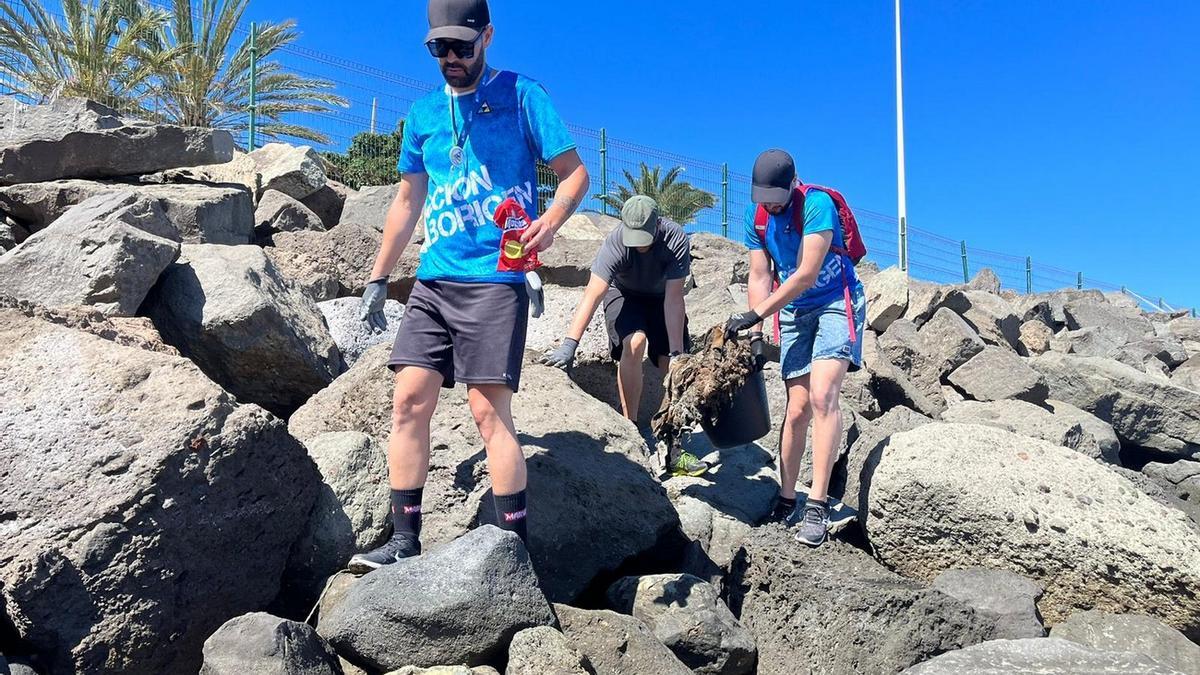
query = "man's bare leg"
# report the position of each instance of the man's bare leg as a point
(793, 437)
(629, 374)
(826, 390)
(491, 406)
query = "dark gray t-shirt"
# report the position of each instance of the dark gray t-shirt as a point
(669, 257)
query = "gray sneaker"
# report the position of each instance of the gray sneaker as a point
(813, 525)
(399, 547)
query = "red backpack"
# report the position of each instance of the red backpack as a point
(854, 248)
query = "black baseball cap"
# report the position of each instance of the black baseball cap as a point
(457, 19)
(773, 177)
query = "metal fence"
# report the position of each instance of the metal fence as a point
(377, 101)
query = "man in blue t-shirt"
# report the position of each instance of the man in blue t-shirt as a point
(467, 148)
(821, 309)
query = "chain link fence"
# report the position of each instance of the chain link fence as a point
(362, 144)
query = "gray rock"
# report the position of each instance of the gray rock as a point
(1134, 633)
(328, 203)
(617, 644)
(1181, 480)
(74, 138)
(588, 225)
(1039, 510)
(1187, 375)
(568, 263)
(1035, 337)
(16, 666)
(1187, 330)
(352, 512)
(337, 263)
(887, 384)
(572, 475)
(368, 207)
(354, 336)
(837, 609)
(905, 348)
(230, 310)
(1038, 655)
(1122, 323)
(297, 172)
(948, 341)
(1143, 410)
(1108, 447)
(1012, 598)
(445, 670)
(887, 298)
(278, 212)
(865, 453)
(995, 374)
(717, 261)
(546, 332)
(544, 651)
(686, 615)
(992, 317)
(924, 299)
(261, 643)
(985, 280)
(106, 253)
(12, 235)
(710, 305)
(1029, 420)
(460, 603)
(208, 214)
(172, 485)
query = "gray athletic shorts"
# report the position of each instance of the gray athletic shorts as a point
(472, 333)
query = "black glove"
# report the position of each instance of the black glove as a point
(758, 350)
(740, 322)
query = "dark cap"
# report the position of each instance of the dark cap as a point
(773, 177)
(457, 19)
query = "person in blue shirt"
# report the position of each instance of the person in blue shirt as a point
(466, 149)
(821, 330)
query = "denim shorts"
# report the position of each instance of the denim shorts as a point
(821, 333)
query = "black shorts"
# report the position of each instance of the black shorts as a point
(472, 333)
(628, 313)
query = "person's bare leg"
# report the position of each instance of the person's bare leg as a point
(795, 429)
(491, 406)
(825, 391)
(629, 374)
(413, 403)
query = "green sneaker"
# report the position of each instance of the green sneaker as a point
(688, 465)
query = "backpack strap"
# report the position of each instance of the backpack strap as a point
(842, 251)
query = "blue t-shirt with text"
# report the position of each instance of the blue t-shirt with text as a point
(783, 244)
(505, 126)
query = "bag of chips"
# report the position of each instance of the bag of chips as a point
(512, 221)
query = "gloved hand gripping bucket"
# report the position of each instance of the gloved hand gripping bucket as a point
(746, 419)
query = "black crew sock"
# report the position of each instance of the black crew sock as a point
(786, 503)
(406, 512)
(510, 514)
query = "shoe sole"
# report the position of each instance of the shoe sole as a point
(806, 542)
(361, 566)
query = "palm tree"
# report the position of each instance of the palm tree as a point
(678, 200)
(99, 50)
(209, 86)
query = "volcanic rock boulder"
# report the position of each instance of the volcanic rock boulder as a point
(1042, 511)
(337, 263)
(460, 603)
(75, 138)
(1010, 597)
(106, 253)
(539, 650)
(354, 336)
(887, 298)
(1039, 655)
(573, 474)
(232, 312)
(368, 207)
(836, 610)
(139, 500)
(1135, 633)
(995, 374)
(278, 212)
(261, 643)
(617, 643)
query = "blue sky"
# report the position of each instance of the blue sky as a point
(1068, 131)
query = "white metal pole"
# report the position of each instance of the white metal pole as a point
(374, 110)
(903, 232)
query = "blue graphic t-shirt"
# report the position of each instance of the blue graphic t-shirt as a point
(783, 244)
(504, 127)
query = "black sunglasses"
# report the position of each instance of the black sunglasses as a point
(441, 47)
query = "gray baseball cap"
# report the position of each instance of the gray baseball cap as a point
(457, 19)
(772, 179)
(639, 221)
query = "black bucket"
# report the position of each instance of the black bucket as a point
(747, 419)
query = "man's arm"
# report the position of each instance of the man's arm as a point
(759, 285)
(572, 187)
(673, 313)
(401, 220)
(592, 295)
(808, 265)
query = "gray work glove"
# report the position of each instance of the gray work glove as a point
(563, 357)
(537, 300)
(370, 309)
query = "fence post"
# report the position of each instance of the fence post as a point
(903, 257)
(1161, 307)
(1079, 282)
(966, 271)
(725, 200)
(1193, 312)
(1028, 275)
(603, 171)
(374, 112)
(253, 83)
